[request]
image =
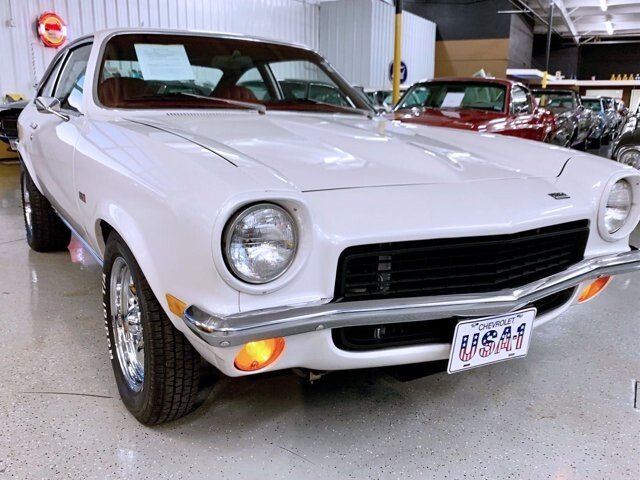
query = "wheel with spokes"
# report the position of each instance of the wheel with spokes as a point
(45, 231)
(127, 328)
(157, 370)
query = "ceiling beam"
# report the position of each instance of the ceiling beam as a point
(567, 20)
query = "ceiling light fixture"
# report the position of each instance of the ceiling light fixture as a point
(603, 5)
(609, 26)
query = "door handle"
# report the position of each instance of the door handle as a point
(34, 126)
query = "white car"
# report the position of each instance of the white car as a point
(263, 230)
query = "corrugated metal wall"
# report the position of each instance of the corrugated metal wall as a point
(24, 58)
(357, 38)
(418, 45)
(345, 38)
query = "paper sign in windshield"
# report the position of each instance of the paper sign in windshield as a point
(452, 100)
(164, 62)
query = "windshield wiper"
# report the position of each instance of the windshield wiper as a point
(360, 111)
(261, 109)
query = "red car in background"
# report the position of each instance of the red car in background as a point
(481, 104)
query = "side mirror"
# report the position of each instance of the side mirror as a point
(520, 109)
(50, 105)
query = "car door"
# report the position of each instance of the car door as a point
(50, 139)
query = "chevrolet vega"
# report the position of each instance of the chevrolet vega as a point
(264, 231)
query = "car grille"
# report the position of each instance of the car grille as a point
(9, 127)
(458, 265)
(375, 337)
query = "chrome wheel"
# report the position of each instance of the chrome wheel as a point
(26, 205)
(126, 323)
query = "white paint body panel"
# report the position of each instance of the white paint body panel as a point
(169, 181)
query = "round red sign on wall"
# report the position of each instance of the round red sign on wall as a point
(52, 29)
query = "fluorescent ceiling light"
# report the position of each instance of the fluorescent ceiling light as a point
(609, 27)
(603, 5)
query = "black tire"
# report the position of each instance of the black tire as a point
(171, 368)
(45, 231)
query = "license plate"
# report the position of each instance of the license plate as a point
(488, 340)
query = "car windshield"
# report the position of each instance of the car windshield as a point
(144, 71)
(455, 95)
(557, 101)
(592, 104)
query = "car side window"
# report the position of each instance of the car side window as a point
(252, 79)
(70, 84)
(46, 90)
(417, 97)
(520, 102)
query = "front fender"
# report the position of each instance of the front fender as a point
(119, 221)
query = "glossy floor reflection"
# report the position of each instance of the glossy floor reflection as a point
(565, 412)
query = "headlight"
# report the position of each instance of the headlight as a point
(260, 242)
(618, 206)
(631, 157)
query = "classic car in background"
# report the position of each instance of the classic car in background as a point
(9, 113)
(621, 111)
(626, 148)
(292, 233)
(575, 122)
(382, 97)
(606, 125)
(480, 104)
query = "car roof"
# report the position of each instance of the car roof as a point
(103, 34)
(501, 81)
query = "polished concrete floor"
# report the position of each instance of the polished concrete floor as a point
(564, 412)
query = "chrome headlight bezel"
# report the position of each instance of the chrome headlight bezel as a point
(626, 150)
(227, 243)
(633, 213)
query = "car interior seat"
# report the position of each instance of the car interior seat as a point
(235, 92)
(115, 91)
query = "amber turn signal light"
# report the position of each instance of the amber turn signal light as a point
(594, 288)
(176, 305)
(257, 355)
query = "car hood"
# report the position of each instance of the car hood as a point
(324, 151)
(467, 119)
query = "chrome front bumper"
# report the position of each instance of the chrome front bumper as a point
(239, 328)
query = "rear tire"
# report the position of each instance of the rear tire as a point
(157, 370)
(45, 231)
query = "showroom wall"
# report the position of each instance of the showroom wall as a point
(600, 60)
(472, 36)
(25, 58)
(357, 37)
